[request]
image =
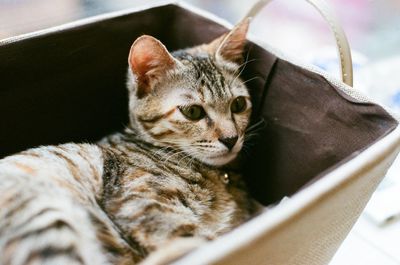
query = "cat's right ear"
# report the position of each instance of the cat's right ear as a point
(230, 47)
(149, 61)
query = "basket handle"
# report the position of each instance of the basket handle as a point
(342, 44)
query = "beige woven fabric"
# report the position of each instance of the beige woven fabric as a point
(313, 236)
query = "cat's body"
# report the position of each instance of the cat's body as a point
(143, 190)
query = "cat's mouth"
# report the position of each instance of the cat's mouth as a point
(220, 159)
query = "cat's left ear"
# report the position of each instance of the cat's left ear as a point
(149, 60)
(230, 46)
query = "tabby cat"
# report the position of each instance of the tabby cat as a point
(155, 190)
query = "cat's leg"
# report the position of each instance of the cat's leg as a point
(42, 229)
(49, 212)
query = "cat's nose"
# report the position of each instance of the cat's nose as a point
(229, 141)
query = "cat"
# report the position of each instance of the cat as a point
(152, 192)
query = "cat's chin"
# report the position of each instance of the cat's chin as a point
(219, 161)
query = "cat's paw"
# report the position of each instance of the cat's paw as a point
(173, 250)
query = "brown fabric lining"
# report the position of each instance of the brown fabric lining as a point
(70, 86)
(310, 129)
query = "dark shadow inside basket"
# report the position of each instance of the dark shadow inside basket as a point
(69, 85)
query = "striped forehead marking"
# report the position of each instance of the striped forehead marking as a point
(209, 76)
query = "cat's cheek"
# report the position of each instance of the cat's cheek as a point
(241, 123)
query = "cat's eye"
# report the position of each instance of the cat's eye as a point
(193, 112)
(238, 105)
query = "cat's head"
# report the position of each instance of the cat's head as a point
(192, 99)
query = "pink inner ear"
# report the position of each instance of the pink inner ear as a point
(149, 58)
(140, 61)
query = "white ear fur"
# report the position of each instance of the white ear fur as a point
(232, 45)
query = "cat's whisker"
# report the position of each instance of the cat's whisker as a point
(168, 157)
(247, 61)
(244, 149)
(241, 69)
(254, 131)
(171, 156)
(250, 79)
(166, 149)
(251, 134)
(256, 126)
(190, 155)
(247, 150)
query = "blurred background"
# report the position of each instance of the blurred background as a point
(372, 26)
(295, 28)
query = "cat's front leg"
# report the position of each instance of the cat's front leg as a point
(48, 209)
(44, 229)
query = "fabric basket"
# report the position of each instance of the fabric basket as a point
(324, 145)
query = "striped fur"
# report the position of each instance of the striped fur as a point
(157, 188)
